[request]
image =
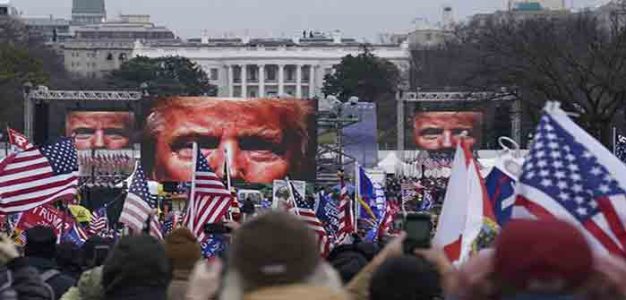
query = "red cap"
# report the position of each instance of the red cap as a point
(542, 255)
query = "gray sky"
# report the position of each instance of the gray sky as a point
(355, 18)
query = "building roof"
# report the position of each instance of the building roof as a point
(43, 21)
(88, 6)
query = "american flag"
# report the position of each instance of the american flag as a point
(137, 209)
(209, 199)
(571, 176)
(99, 221)
(304, 210)
(38, 176)
(171, 221)
(620, 147)
(345, 214)
(18, 140)
(391, 208)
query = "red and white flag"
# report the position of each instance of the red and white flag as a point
(18, 140)
(345, 214)
(209, 199)
(137, 208)
(303, 209)
(465, 206)
(38, 175)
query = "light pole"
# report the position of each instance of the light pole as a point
(29, 109)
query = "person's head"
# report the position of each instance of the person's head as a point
(541, 257)
(99, 129)
(138, 260)
(348, 260)
(95, 251)
(266, 139)
(441, 130)
(182, 249)
(405, 277)
(68, 256)
(275, 248)
(40, 242)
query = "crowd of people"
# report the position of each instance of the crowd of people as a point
(274, 255)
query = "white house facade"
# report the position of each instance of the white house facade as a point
(270, 67)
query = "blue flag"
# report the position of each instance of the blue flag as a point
(327, 212)
(367, 199)
(501, 190)
(213, 245)
(75, 235)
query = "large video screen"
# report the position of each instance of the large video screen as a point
(263, 139)
(112, 130)
(441, 130)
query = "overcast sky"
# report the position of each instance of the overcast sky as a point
(355, 18)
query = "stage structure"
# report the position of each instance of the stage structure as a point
(429, 110)
(333, 116)
(102, 123)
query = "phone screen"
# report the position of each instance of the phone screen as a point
(417, 229)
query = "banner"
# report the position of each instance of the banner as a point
(281, 194)
(45, 215)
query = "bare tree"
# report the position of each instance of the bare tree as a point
(575, 59)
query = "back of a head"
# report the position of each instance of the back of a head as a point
(542, 257)
(273, 249)
(405, 278)
(40, 242)
(136, 261)
(348, 260)
(95, 251)
(182, 249)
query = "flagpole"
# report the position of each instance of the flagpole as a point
(293, 197)
(227, 162)
(357, 194)
(614, 139)
(192, 194)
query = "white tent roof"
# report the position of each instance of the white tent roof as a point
(389, 163)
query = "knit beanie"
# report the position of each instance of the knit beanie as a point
(275, 248)
(136, 261)
(182, 249)
(542, 255)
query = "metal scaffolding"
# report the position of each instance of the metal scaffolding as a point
(460, 97)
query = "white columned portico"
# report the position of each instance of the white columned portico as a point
(261, 80)
(281, 80)
(231, 85)
(298, 81)
(311, 81)
(244, 81)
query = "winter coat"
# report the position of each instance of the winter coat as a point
(59, 283)
(178, 285)
(296, 291)
(20, 281)
(89, 286)
(324, 283)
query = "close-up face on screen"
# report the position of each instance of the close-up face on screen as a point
(100, 129)
(263, 139)
(441, 130)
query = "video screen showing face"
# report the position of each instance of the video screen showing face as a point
(110, 130)
(441, 130)
(263, 139)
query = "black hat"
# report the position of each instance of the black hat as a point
(40, 242)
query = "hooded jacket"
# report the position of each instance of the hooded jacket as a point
(89, 287)
(324, 283)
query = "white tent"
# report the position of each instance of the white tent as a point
(389, 163)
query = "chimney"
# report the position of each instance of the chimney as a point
(205, 37)
(447, 19)
(336, 37)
